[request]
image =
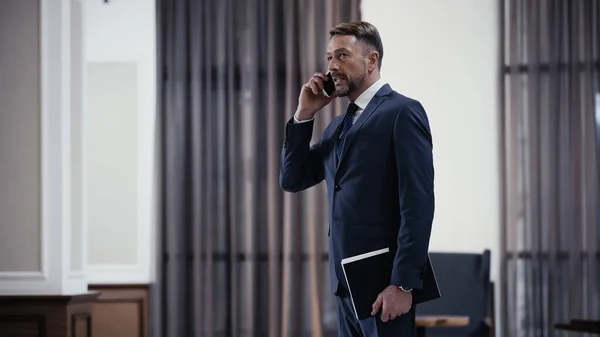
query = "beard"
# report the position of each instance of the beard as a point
(352, 83)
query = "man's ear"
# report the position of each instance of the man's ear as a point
(373, 58)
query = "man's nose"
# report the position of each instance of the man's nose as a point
(332, 66)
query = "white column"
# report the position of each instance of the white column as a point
(62, 230)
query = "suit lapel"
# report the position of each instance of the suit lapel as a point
(364, 116)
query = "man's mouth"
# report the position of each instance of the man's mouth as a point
(338, 79)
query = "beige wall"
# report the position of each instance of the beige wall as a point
(446, 54)
(20, 165)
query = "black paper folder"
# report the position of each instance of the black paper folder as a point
(366, 275)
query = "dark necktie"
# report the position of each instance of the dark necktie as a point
(346, 125)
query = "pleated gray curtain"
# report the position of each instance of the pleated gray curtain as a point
(551, 234)
(238, 257)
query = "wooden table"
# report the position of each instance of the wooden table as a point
(439, 321)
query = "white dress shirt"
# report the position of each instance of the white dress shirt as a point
(361, 101)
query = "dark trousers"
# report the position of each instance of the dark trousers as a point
(350, 326)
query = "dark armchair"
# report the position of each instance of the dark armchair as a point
(464, 281)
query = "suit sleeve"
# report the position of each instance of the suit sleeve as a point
(302, 166)
(414, 162)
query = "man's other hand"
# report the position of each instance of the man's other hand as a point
(393, 302)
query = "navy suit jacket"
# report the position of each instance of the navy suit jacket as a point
(380, 192)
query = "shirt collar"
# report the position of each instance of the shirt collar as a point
(363, 100)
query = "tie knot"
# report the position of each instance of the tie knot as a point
(352, 108)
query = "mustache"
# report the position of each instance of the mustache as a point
(337, 74)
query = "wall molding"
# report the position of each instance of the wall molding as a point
(46, 21)
(23, 282)
(117, 274)
(52, 104)
(55, 143)
(56, 139)
(22, 275)
(138, 269)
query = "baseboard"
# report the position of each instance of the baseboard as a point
(21, 276)
(117, 275)
(36, 283)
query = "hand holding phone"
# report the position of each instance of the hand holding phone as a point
(315, 94)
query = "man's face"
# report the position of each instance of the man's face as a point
(346, 63)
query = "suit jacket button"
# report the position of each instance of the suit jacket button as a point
(337, 188)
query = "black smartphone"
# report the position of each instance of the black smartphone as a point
(329, 85)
